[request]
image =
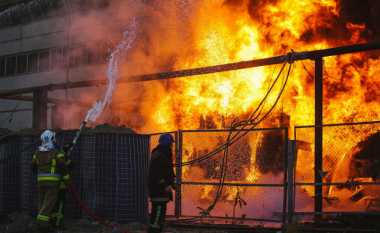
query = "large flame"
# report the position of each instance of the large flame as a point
(191, 34)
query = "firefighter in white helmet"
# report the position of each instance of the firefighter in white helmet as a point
(49, 163)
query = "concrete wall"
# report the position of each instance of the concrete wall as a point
(50, 33)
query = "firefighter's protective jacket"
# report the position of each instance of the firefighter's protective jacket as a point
(50, 167)
(160, 174)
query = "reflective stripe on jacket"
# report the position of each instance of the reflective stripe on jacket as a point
(51, 167)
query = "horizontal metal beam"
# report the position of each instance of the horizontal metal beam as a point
(49, 100)
(204, 70)
(113, 105)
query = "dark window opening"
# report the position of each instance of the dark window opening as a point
(58, 7)
(94, 53)
(107, 49)
(80, 55)
(21, 64)
(65, 57)
(36, 11)
(11, 66)
(32, 62)
(15, 16)
(71, 56)
(2, 67)
(44, 60)
(46, 9)
(56, 59)
(25, 14)
(5, 19)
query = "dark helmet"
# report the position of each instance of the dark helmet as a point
(165, 139)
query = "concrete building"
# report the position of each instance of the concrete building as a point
(51, 42)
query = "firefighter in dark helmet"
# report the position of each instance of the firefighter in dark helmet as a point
(160, 181)
(49, 164)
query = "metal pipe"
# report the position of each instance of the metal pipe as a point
(204, 70)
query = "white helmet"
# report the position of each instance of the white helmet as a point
(48, 140)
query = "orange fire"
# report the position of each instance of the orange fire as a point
(206, 33)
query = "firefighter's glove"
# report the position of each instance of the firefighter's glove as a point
(67, 147)
(174, 186)
(168, 189)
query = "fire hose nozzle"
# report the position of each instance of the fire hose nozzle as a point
(76, 137)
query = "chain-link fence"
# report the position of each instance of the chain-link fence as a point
(10, 175)
(343, 175)
(255, 174)
(109, 176)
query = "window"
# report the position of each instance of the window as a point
(94, 53)
(80, 55)
(56, 59)
(58, 7)
(71, 56)
(32, 62)
(46, 9)
(11, 65)
(44, 60)
(21, 64)
(2, 67)
(107, 49)
(65, 57)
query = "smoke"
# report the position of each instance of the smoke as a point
(120, 55)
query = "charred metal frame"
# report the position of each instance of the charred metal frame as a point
(178, 200)
(318, 211)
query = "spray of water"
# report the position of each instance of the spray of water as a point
(116, 57)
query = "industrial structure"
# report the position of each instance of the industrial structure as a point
(47, 45)
(48, 42)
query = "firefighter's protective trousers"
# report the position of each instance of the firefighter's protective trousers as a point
(157, 216)
(47, 196)
(59, 206)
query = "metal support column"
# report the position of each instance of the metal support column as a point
(291, 149)
(318, 136)
(40, 109)
(286, 186)
(178, 160)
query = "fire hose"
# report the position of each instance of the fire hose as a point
(76, 194)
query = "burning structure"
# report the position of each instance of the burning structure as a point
(179, 35)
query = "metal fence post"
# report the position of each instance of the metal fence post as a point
(178, 197)
(290, 180)
(285, 175)
(318, 136)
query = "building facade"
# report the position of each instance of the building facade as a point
(46, 42)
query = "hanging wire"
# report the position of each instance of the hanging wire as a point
(232, 140)
(228, 143)
(333, 85)
(13, 112)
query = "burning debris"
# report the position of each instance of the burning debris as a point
(270, 154)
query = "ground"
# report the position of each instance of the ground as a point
(19, 222)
